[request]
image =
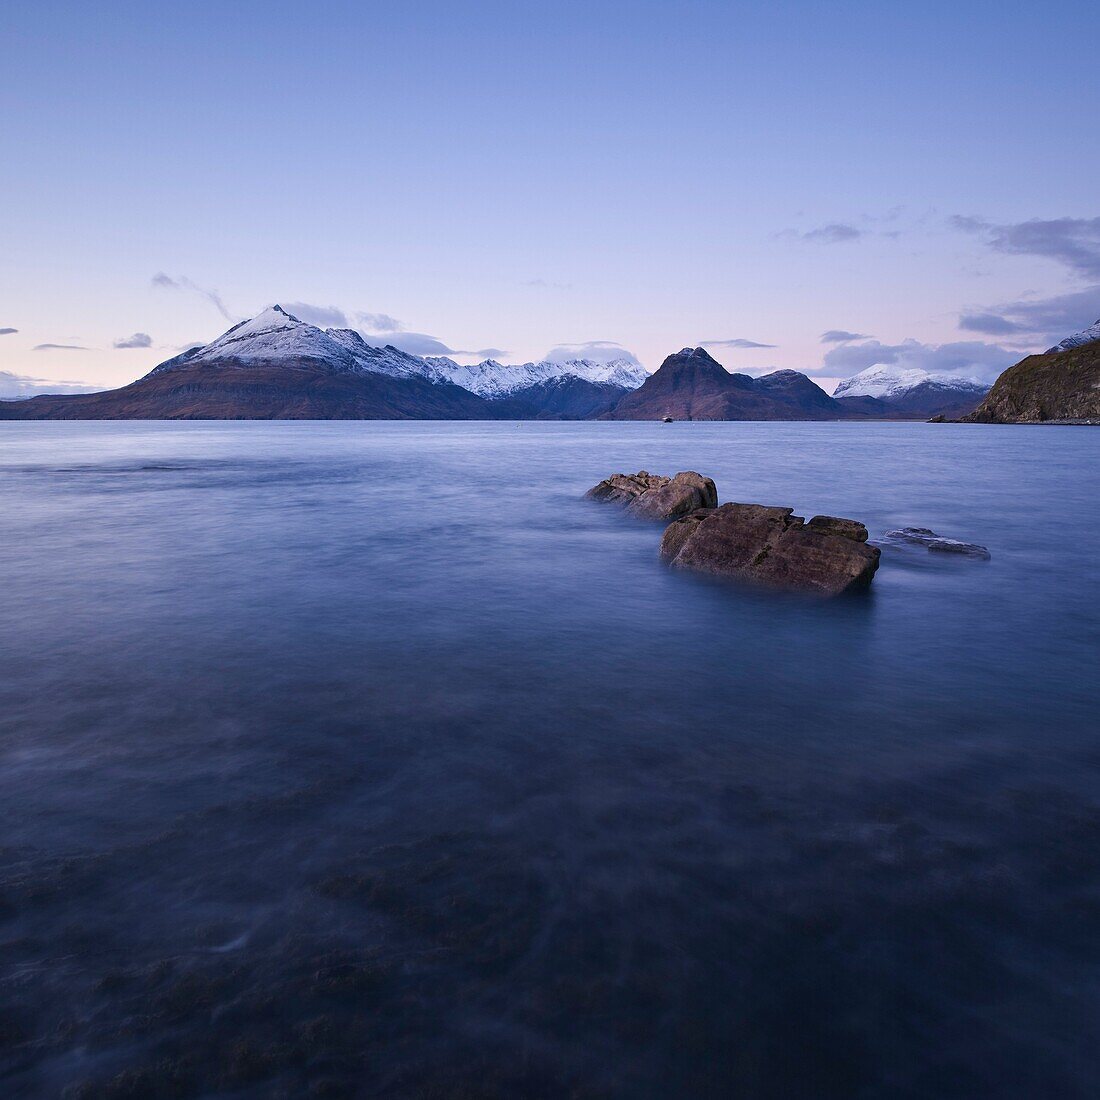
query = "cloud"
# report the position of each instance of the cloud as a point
(833, 233)
(415, 343)
(322, 316)
(972, 358)
(737, 342)
(7, 331)
(58, 347)
(601, 351)
(379, 322)
(138, 340)
(14, 386)
(181, 282)
(1038, 320)
(841, 336)
(1073, 242)
(989, 323)
(420, 343)
(547, 284)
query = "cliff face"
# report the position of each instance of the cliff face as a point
(1063, 385)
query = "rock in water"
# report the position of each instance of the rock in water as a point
(772, 546)
(655, 497)
(833, 525)
(936, 544)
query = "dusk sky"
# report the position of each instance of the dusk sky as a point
(509, 179)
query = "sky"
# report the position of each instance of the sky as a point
(791, 185)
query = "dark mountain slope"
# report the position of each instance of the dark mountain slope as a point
(564, 398)
(690, 385)
(1062, 385)
(303, 390)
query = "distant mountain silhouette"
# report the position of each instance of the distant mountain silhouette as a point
(691, 385)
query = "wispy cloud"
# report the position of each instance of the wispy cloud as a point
(842, 336)
(322, 316)
(547, 284)
(14, 386)
(602, 351)
(59, 347)
(1041, 320)
(1074, 242)
(834, 233)
(420, 343)
(138, 340)
(736, 342)
(182, 282)
(7, 331)
(379, 322)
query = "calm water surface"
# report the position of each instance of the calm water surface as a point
(369, 759)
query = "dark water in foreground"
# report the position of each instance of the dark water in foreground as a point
(368, 759)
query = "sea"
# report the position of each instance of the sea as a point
(371, 759)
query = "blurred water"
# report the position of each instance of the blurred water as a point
(369, 759)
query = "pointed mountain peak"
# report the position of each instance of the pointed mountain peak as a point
(695, 358)
(277, 315)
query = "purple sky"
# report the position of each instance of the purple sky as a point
(820, 187)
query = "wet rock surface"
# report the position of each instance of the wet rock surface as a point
(653, 496)
(772, 546)
(934, 543)
(828, 555)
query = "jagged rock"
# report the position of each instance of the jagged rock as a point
(772, 546)
(936, 544)
(834, 525)
(655, 497)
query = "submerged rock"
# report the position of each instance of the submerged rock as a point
(653, 496)
(936, 544)
(773, 546)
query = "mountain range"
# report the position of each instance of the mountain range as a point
(909, 393)
(275, 366)
(691, 385)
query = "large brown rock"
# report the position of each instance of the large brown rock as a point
(652, 496)
(772, 546)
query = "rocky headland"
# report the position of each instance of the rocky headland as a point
(1061, 385)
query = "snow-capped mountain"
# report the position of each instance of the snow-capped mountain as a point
(271, 337)
(1078, 339)
(385, 360)
(491, 380)
(889, 383)
(277, 337)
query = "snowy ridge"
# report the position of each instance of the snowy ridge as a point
(892, 383)
(490, 379)
(386, 360)
(1078, 339)
(275, 335)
